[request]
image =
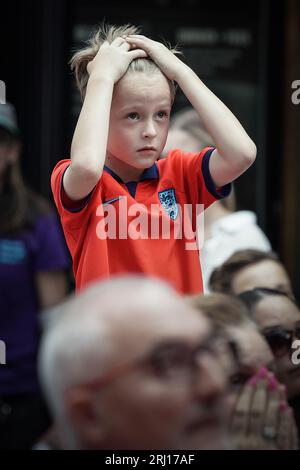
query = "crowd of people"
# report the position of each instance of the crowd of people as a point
(145, 357)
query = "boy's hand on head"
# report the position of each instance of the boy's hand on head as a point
(165, 59)
(112, 60)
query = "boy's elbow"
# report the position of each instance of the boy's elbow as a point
(252, 153)
(87, 171)
(249, 155)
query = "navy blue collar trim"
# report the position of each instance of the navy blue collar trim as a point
(148, 174)
(113, 174)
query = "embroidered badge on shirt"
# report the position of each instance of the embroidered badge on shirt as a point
(169, 203)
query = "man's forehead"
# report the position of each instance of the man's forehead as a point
(147, 329)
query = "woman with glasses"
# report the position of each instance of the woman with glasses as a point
(278, 318)
(260, 417)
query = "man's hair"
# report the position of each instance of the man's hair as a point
(222, 310)
(222, 276)
(250, 298)
(109, 33)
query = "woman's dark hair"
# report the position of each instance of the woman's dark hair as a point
(19, 205)
(222, 276)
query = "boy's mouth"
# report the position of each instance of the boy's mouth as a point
(147, 148)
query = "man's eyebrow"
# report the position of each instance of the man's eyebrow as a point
(270, 327)
(179, 341)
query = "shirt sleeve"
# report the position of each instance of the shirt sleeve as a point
(51, 252)
(197, 178)
(73, 214)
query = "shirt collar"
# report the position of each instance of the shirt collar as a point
(148, 174)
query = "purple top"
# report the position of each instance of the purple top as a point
(21, 258)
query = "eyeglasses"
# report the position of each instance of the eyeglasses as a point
(176, 360)
(280, 339)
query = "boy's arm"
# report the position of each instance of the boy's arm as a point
(88, 150)
(89, 141)
(235, 150)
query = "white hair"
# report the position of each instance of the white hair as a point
(77, 346)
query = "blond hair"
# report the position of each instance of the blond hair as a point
(108, 33)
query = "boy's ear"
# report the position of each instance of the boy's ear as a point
(84, 417)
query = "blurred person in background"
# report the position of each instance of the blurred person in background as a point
(248, 269)
(33, 262)
(260, 417)
(140, 369)
(278, 318)
(226, 229)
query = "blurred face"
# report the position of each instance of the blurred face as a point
(263, 274)
(254, 353)
(180, 139)
(8, 156)
(139, 120)
(276, 316)
(164, 404)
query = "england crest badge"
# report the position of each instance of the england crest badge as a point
(169, 203)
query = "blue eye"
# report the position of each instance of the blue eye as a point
(162, 114)
(133, 116)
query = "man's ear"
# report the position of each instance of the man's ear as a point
(84, 417)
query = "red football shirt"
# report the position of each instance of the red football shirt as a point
(146, 227)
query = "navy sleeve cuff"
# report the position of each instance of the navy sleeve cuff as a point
(69, 204)
(218, 193)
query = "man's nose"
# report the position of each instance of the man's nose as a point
(210, 379)
(149, 129)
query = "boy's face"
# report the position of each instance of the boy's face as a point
(139, 118)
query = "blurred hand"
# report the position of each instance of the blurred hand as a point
(262, 418)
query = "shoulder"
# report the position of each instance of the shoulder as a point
(191, 166)
(178, 160)
(179, 157)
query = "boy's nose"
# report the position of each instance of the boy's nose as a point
(149, 130)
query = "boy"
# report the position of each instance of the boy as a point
(127, 83)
